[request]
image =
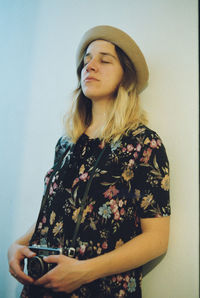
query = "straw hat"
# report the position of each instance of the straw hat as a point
(123, 41)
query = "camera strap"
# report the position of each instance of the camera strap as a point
(71, 250)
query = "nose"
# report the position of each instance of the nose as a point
(91, 65)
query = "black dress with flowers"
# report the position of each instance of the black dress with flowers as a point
(131, 182)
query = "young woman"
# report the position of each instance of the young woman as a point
(123, 220)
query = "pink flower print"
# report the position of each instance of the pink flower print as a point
(127, 278)
(122, 211)
(111, 192)
(125, 285)
(112, 203)
(119, 278)
(84, 177)
(44, 219)
(90, 208)
(123, 149)
(159, 142)
(76, 180)
(135, 154)
(114, 208)
(46, 180)
(158, 215)
(130, 147)
(105, 245)
(153, 143)
(50, 171)
(146, 155)
(131, 162)
(51, 190)
(82, 249)
(121, 203)
(55, 185)
(114, 279)
(139, 147)
(117, 215)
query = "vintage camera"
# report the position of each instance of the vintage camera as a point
(36, 267)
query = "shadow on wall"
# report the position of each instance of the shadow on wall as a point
(151, 265)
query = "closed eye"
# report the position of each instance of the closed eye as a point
(86, 62)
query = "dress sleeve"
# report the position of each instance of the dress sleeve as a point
(60, 148)
(152, 179)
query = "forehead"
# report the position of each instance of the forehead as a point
(101, 46)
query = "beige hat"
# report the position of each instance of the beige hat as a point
(123, 41)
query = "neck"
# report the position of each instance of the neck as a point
(99, 112)
(99, 117)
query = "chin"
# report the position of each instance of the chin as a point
(91, 95)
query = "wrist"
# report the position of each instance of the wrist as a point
(88, 269)
(95, 269)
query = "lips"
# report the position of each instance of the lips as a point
(88, 79)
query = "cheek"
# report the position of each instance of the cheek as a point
(116, 75)
(118, 78)
(121, 75)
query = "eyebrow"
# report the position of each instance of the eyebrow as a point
(101, 53)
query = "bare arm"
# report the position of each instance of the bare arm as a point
(152, 243)
(16, 254)
(70, 274)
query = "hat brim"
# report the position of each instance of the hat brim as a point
(123, 41)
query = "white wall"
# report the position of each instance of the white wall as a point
(38, 43)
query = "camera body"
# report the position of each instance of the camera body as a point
(36, 267)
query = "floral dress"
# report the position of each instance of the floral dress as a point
(131, 182)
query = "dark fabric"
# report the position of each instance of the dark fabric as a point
(131, 182)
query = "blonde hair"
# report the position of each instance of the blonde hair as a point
(124, 115)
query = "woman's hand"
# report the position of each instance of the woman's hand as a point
(67, 276)
(16, 255)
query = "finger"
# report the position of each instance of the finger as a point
(27, 252)
(48, 286)
(21, 280)
(51, 286)
(52, 259)
(24, 279)
(44, 280)
(17, 273)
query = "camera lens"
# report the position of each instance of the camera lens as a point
(36, 267)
